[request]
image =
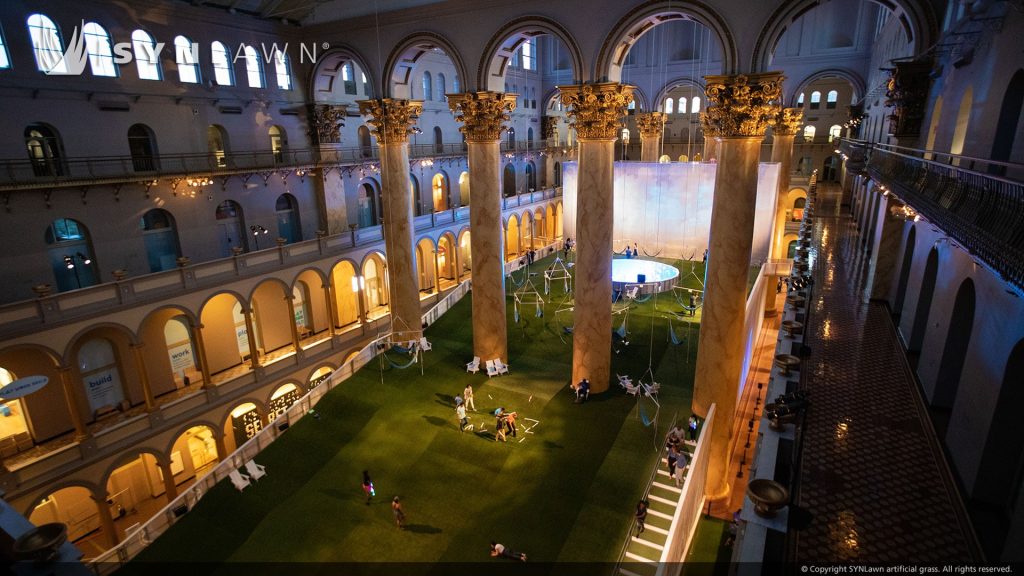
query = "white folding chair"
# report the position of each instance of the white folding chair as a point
(256, 471)
(473, 366)
(631, 389)
(624, 380)
(491, 369)
(241, 481)
(424, 345)
(502, 368)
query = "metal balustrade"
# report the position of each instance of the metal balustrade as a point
(981, 212)
(91, 170)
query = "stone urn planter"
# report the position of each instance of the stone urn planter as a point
(41, 543)
(792, 327)
(768, 497)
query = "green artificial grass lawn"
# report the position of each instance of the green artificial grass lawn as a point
(708, 554)
(565, 493)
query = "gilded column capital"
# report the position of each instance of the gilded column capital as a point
(482, 114)
(391, 119)
(788, 121)
(326, 121)
(743, 105)
(651, 124)
(596, 109)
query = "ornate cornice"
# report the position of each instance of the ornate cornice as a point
(596, 109)
(483, 114)
(391, 119)
(742, 105)
(651, 124)
(325, 122)
(788, 121)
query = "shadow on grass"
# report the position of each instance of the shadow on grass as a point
(436, 421)
(422, 529)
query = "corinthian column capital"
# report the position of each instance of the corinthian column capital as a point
(596, 110)
(788, 121)
(743, 105)
(482, 114)
(391, 119)
(650, 124)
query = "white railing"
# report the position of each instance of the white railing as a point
(139, 539)
(684, 522)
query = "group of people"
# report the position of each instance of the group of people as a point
(396, 503)
(461, 404)
(566, 247)
(632, 252)
(793, 283)
(505, 424)
(531, 256)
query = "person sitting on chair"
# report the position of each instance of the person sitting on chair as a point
(582, 391)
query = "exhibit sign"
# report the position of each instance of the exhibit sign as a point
(23, 387)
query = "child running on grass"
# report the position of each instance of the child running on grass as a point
(396, 509)
(368, 487)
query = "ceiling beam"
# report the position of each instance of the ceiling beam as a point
(268, 8)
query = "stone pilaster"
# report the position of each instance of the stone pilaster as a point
(325, 123)
(651, 126)
(739, 111)
(886, 251)
(392, 122)
(483, 115)
(596, 111)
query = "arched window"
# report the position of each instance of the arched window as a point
(217, 143)
(223, 72)
(800, 100)
(529, 136)
(529, 50)
(230, 227)
(100, 376)
(160, 236)
(365, 144)
(441, 97)
(464, 189)
(287, 209)
(414, 192)
(809, 133)
(45, 150)
(815, 100)
(47, 44)
(187, 59)
(831, 98)
(142, 147)
(146, 58)
(70, 254)
(455, 84)
(253, 68)
(348, 78)
(427, 86)
(509, 181)
(558, 174)
(669, 109)
(531, 177)
(278, 142)
(682, 105)
(834, 132)
(695, 105)
(282, 69)
(97, 45)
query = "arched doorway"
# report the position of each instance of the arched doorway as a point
(181, 352)
(414, 191)
(70, 253)
(439, 188)
(1009, 120)
(193, 454)
(512, 238)
(908, 260)
(558, 174)
(242, 423)
(282, 399)
(223, 324)
(230, 227)
(464, 189)
(288, 226)
(160, 237)
(45, 150)
(425, 265)
(345, 285)
(367, 203)
(954, 352)
(531, 177)
(278, 143)
(365, 144)
(142, 147)
(1001, 472)
(217, 144)
(319, 376)
(465, 252)
(76, 508)
(438, 140)
(446, 259)
(375, 290)
(509, 181)
(924, 305)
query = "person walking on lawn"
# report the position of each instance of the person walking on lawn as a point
(641, 516)
(467, 395)
(368, 487)
(396, 509)
(460, 413)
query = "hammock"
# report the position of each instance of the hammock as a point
(413, 360)
(621, 330)
(672, 337)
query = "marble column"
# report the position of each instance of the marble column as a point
(250, 331)
(197, 333)
(140, 366)
(392, 122)
(483, 115)
(325, 122)
(740, 110)
(651, 126)
(170, 487)
(710, 148)
(596, 111)
(787, 124)
(107, 525)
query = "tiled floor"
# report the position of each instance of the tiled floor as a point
(872, 481)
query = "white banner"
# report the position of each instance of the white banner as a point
(103, 389)
(181, 357)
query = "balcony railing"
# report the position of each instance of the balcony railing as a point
(981, 212)
(50, 172)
